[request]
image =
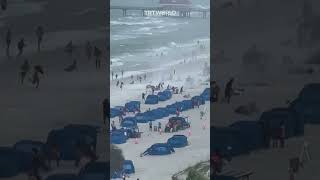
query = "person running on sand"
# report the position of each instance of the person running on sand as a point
(181, 90)
(117, 83)
(89, 50)
(39, 33)
(24, 69)
(215, 92)
(150, 126)
(116, 76)
(143, 96)
(21, 44)
(121, 85)
(229, 90)
(97, 53)
(159, 126)
(36, 79)
(8, 42)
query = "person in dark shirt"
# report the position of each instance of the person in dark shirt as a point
(21, 45)
(229, 90)
(39, 33)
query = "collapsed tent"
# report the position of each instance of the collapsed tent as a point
(71, 136)
(24, 147)
(9, 162)
(164, 95)
(307, 105)
(206, 94)
(116, 111)
(118, 136)
(252, 132)
(159, 149)
(176, 124)
(152, 99)
(178, 141)
(229, 141)
(271, 121)
(128, 167)
(95, 170)
(132, 106)
(62, 177)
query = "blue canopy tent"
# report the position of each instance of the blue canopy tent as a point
(116, 111)
(62, 177)
(129, 122)
(253, 133)
(24, 147)
(229, 141)
(67, 140)
(164, 95)
(159, 149)
(271, 121)
(128, 167)
(186, 105)
(133, 106)
(178, 141)
(143, 118)
(206, 94)
(95, 170)
(164, 112)
(9, 162)
(198, 100)
(152, 99)
(118, 136)
(307, 105)
(172, 108)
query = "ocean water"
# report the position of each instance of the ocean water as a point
(138, 42)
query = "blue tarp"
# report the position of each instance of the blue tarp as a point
(178, 141)
(293, 125)
(252, 132)
(116, 111)
(95, 170)
(118, 136)
(9, 162)
(206, 94)
(62, 177)
(132, 106)
(128, 167)
(24, 147)
(229, 141)
(152, 99)
(159, 149)
(129, 122)
(143, 118)
(186, 105)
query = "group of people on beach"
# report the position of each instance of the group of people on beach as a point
(229, 91)
(41, 161)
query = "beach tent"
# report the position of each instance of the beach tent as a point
(9, 162)
(253, 133)
(159, 149)
(186, 105)
(164, 95)
(172, 108)
(178, 141)
(128, 167)
(307, 105)
(143, 118)
(62, 177)
(95, 170)
(132, 106)
(206, 94)
(229, 141)
(164, 112)
(152, 99)
(271, 120)
(129, 122)
(180, 121)
(118, 136)
(198, 99)
(67, 139)
(24, 147)
(116, 111)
